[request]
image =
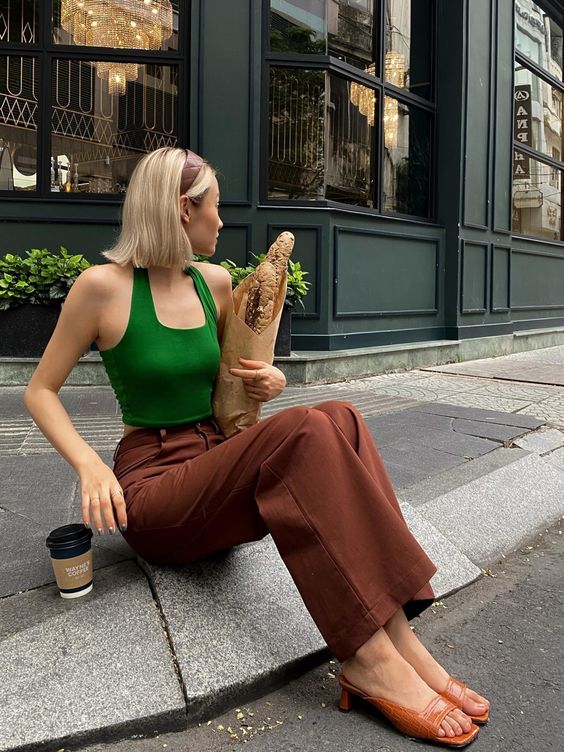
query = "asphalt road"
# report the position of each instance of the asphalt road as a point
(503, 635)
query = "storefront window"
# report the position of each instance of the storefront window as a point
(350, 32)
(537, 125)
(407, 142)
(297, 134)
(538, 37)
(101, 114)
(97, 137)
(19, 21)
(320, 141)
(325, 126)
(537, 200)
(298, 26)
(407, 60)
(350, 126)
(119, 24)
(18, 123)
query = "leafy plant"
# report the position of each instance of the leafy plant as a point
(297, 286)
(40, 278)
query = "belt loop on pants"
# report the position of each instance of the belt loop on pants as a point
(201, 433)
(162, 432)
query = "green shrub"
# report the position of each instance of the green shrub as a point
(297, 286)
(41, 277)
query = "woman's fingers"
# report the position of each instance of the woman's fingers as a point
(244, 373)
(119, 507)
(98, 509)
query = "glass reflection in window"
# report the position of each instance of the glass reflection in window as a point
(18, 123)
(350, 31)
(539, 37)
(298, 26)
(538, 112)
(18, 21)
(537, 200)
(98, 137)
(407, 62)
(407, 144)
(351, 115)
(296, 134)
(119, 24)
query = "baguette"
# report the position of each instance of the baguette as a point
(279, 253)
(261, 297)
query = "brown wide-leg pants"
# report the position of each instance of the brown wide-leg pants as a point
(313, 479)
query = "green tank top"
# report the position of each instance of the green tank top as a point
(163, 376)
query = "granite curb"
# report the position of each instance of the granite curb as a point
(160, 648)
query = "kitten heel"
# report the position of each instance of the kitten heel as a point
(346, 701)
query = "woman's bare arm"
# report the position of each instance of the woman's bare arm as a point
(76, 329)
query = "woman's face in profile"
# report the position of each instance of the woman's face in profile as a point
(204, 224)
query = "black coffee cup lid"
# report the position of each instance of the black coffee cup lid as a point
(68, 536)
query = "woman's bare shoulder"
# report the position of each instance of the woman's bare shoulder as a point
(214, 274)
(103, 280)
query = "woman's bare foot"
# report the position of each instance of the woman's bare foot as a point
(416, 654)
(380, 671)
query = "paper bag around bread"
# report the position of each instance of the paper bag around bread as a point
(232, 408)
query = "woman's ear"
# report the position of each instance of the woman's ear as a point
(184, 209)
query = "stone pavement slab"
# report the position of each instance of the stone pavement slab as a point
(43, 493)
(504, 507)
(93, 400)
(537, 367)
(79, 669)
(477, 414)
(541, 441)
(25, 562)
(454, 569)
(409, 462)
(237, 624)
(485, 430)
(437, 485)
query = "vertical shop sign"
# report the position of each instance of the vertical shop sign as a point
(522, 130)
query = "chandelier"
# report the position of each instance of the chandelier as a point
(364, 98)
(395, 74)
(119, 24)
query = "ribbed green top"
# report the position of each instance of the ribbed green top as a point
(163, 376)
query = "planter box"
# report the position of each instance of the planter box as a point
(283, 344)
(26, 330)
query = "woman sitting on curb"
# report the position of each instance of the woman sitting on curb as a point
(179, 490)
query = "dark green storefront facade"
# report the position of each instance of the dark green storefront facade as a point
(379, 275)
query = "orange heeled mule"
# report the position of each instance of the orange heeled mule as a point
(455, 692)
(423, 726)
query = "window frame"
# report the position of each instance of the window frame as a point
(46, 51)
(332, 65)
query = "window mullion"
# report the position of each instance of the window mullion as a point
(43, 124)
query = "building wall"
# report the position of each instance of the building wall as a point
(376, 280)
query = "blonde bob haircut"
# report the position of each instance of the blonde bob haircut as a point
(151, 229)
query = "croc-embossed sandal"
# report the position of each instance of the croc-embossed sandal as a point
(455, 692)
(423, 726)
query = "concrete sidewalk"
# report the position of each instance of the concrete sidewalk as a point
(478, 463)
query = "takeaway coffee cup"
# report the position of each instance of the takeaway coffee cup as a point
(71, 556)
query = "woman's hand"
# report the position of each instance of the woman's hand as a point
(262, 381)
(101, 497)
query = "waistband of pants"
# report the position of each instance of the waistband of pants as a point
(140, 435)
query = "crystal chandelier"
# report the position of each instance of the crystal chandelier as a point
(364, 98)
(395, 74)
(119, 24)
